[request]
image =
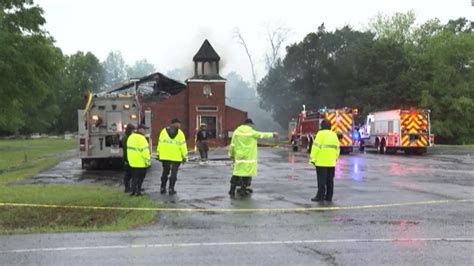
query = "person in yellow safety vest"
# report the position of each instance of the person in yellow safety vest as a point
(243, 153)
(324, 154)
(171, 151)
(138, 155)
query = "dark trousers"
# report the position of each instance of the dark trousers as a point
(138, 175)
(127, 177)
(325, 182)
(169, 166)
(203, 149)
(240, 181)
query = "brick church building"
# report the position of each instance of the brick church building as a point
(201, 102)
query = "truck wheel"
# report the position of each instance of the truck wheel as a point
(295, 148)
(390, 151)
(420, 151)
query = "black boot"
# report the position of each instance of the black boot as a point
(171, 189)
(164, 180)
(247, 181)
(317, 199)
(232, 191)
(243, 190)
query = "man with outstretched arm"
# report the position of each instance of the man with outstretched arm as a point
(243, 153)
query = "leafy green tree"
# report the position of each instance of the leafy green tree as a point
(398, 27)
(443, 71)
(82, 72)
(325, 69)
(439, 74)
(29, 68)
(115, 69)
(394, 65)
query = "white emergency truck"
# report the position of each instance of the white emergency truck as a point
(393, 130)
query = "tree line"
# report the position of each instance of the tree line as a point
(41, 88)
(393, 64)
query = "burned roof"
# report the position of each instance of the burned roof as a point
(206, 53)
(161, 82)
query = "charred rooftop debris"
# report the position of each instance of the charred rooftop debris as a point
(153, 86)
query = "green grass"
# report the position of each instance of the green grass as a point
(44, 153)
(20, 154)
(445, 146)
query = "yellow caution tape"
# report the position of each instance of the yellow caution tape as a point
(236, 210)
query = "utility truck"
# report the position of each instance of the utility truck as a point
(103, 120)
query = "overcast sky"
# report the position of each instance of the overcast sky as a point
(168, 33)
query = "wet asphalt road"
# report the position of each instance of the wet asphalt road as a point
(428, 233)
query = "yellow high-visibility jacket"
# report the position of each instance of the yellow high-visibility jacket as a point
(169, 149)
(243, 150)
(138, 151)
(325, 150)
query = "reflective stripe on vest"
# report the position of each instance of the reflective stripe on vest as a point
(245, 161)
(327, 146)
(172, 141)
(243, 134)
(137, 149)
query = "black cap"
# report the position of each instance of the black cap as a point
(325, 124)
(175, 120)
(248, 121)
(142, 126)
(131, 126)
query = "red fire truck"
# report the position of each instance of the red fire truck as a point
(307, 125)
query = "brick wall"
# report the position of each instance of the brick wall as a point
(197, 98)
(162, 113)
(184, 107)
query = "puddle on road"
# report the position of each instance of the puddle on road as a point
(211, 162)
(70, 172)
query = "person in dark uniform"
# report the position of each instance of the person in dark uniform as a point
(127, 177)
(324, 154)
(201, 139)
